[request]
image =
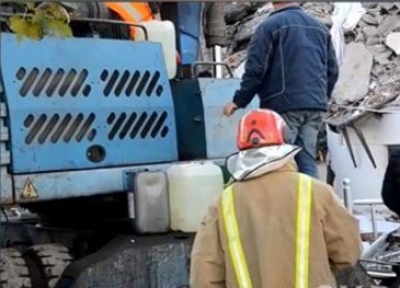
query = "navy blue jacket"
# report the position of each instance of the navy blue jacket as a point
(391, 182)
(291, 64)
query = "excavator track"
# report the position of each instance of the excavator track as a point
(14, 272)
(50, 261)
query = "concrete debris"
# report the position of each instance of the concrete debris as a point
(237, 11)
(393, 42)
(381, 55)
(370, 19)
(244, 31)
(376, 35)
(354, 75)
(236, 59)
(391, 7)
(388, 24)
(247, 20)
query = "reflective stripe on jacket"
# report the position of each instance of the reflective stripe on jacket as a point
(302, 235)
(277, 230)
(134, 12)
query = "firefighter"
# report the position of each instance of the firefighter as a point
(135, 12)
(273, 226)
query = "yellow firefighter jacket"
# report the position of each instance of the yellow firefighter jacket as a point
(278, 230)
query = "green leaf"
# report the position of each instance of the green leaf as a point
(47, 19)
(58, 28)
(18, 26)
(39, 17)
(34, 31)
(23, 28)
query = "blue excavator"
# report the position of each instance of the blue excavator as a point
(80, 118)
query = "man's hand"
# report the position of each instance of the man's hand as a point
(230, 108)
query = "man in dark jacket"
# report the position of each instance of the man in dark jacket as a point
(391, 182)
(291, 65)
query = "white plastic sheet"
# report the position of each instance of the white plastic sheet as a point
(345, 17)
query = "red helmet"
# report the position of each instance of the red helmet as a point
(261, 127)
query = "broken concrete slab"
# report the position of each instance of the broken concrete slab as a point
(237, 11)
(372, 40)
(360, 37)
(354, 76)
(393, 42)
(388, 24)
(246, 30)
(383, 57)
(388, 78)
(370, 19)
(236, 59)
(369, 31)
(381, 54)
(369, 5)
(388, 6)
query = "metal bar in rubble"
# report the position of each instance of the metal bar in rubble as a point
(349, 203)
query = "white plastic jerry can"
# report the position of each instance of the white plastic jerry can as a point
(164, 33)
(192, 188)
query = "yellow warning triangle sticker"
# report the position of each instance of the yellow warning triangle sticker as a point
(29, 191)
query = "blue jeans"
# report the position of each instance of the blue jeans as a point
(302, 130)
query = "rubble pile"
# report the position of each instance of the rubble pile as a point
(370, 73)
